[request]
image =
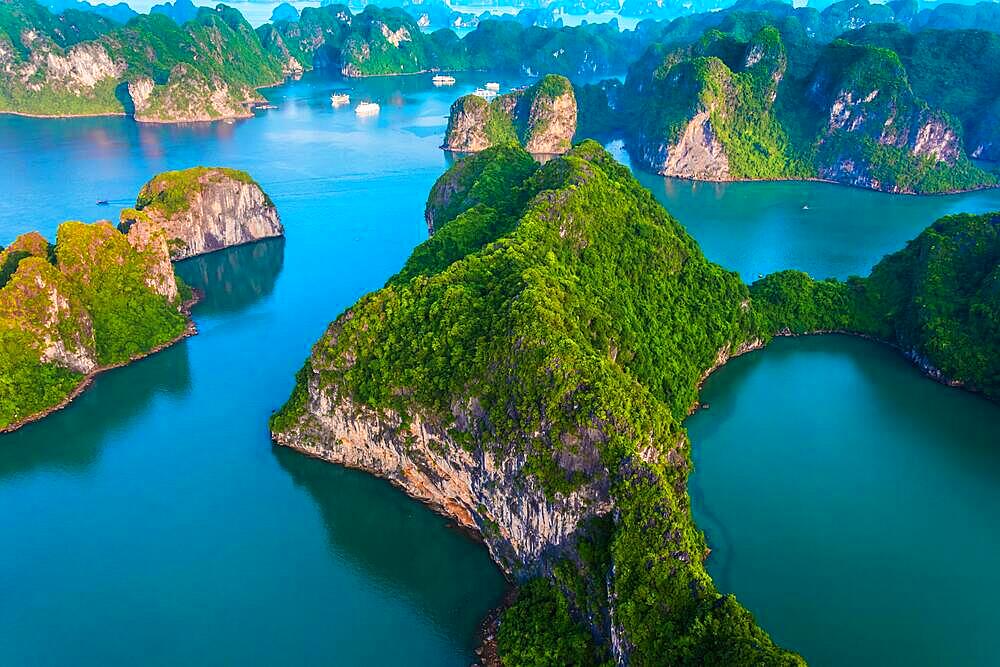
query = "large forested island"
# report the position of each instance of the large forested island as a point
(527, 372)
(94, 299)
(102, 296)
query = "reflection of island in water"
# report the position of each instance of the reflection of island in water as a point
(234, 279)
(71, 438)
(400, 543)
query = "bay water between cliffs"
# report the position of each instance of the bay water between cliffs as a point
(851, 503)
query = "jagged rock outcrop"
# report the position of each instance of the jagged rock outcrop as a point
(543, 415)
(91, 301)
(541, 118)
(695, 100)
(697, 153)
(200, 210)
(151, 241)
(468, 122)
(726, 108)
(477, 490)
(81, 64)
(39, 302)
(188, 96)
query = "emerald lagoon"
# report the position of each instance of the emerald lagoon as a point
(850, 502)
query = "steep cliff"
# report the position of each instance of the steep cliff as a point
(731, 108)
(952, 70)
(91, 301)
(78, 64)
(541, 118)
(201, 209)
(567, 346)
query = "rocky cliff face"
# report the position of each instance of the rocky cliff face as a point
(539, 417)
(41, 304)
(467, 125)
(495, 498)
(726, 108)
(542, 118)
(200, 210)
(151, 242)
(690, 107)
(90, 301)
(76, 64)
(189, 96)
(697, 153)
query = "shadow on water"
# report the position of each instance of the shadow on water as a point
(234, 279)
(125, 98)
(71, 438)
(373, 535)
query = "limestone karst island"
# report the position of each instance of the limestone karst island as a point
(548, 333)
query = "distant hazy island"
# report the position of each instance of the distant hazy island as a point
(757, 98)
(102, 296)
(528, 370)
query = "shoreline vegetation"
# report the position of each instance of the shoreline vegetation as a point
(191, 329)
(755, 92)
(103, 296)
(562, 420)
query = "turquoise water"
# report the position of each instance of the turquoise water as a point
(852, 504)
(153, 520)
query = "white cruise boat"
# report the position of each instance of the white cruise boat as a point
(340, 99)
(443, 80)
(492, 85)
(367, 109)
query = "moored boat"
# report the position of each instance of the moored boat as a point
(367, 109)
(443, 80)
(340, 99)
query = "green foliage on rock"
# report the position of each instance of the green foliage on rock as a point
(539, 630)
(80, 64)
(593, 313)
(170, 192)
(938, 300)
(777, 104)
(72, 308)
(109, 276)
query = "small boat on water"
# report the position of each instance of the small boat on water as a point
(493, 86)
(484, 93)
(340, 99)
(102, 202)
(443, 80)
(367, 109)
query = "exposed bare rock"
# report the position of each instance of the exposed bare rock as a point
(40, 304)
(200, 210)
(467, 131)
(517, 522)
(542, 118)
(697, 154)
(151, 241)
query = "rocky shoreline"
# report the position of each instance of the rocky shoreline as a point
(908, 193)
(190, 330)
(912, 356)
